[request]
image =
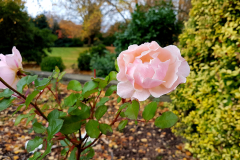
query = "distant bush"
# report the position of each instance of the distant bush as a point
(68, 42)
(103, 65)
(99, 58)
(98, 50)
(158, 24)
(84, 60)
(49, 64)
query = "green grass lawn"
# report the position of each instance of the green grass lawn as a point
(69, 55)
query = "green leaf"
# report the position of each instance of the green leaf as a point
(19, 118)
(47, 151)
(166, 120)
(53, 115)
(110, 90)
(56, 72)
(63, 143)
(92, 128)
(64, 151)
(88, 93)
(72, 124)
(132, 110)
(38, 127)
(19, 107)
(100, 111)
(88, 86)
(70, 100)
(105, 128)
(123, 106)
(116, 65)
(30, 97)
(149, 111)
(35, 156)
(25, 81)
(34, 143)
(84, 113)
(41, 84)
(111, 76)
(102, 101)
(61, 76)
(73, 154)
(122, 124)
(74, 85)
(71, 109)
(101, 82)
(122, 114)
(6, 93)
(90, 153)
(54, 126)
(5, 103)
(30, 118)
(62, 114)
(119, 99)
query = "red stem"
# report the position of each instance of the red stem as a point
(57, 91)
(39, 96)
(94, 73)
(55, 96)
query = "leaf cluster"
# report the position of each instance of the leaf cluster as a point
(208, 104)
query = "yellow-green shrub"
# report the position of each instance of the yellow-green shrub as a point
(208, 104)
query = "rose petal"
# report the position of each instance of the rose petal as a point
(160, 68)
(184, 69)
(17, 54)
(154, 46)
(8, 75)
(141, 95)
(133, 47)
(125, 89)
(2, 60)
(161, 90)
(14, 60)
(150, 83)
(171, 75)
(174, 50)
(164, 55)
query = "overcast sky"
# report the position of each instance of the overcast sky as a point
(35, 7)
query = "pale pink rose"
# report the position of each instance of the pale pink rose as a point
(10, 65)
(149, 69)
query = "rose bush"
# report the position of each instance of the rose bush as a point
(10, 68)
(149, 69)
(144, 70)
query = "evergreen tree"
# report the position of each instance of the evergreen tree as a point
(41, 22)
(17, 30)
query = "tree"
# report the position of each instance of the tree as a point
(183, 9)
(156, 24)
(16, 30)
(41, 22)
(70, 29)
(91, 16)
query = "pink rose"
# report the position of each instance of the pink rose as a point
(149, 69)
(10, 65)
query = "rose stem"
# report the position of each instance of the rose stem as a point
(35, 106)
